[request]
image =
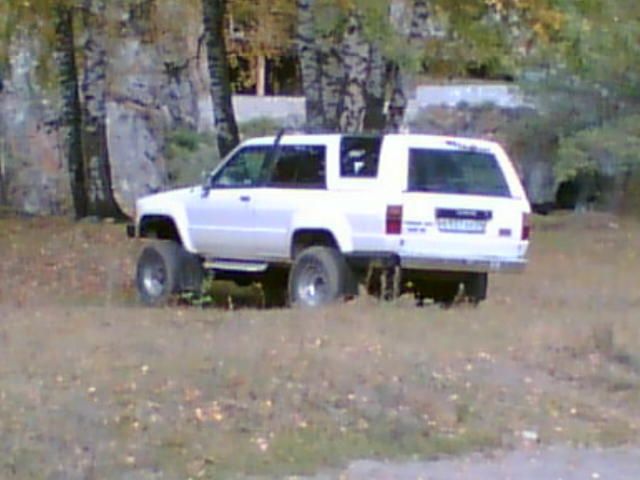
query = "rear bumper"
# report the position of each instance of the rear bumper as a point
(388, 259)
(464, 264)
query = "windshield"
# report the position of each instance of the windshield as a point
(456, 171)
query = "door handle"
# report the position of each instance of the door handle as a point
(245, 198)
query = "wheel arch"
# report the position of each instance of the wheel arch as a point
(326, 227)
(303, 238)
(162, 227)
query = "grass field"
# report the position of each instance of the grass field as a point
(94, 386)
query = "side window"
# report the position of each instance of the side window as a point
(300, 166)
(245, 169)
(359, 157)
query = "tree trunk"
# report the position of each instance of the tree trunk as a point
(71, 115)
(355, 57)
(374, 116)
(261, 72)
(213, 19)
(3, 186)
(310, 66)
(100, 199)
(332, 81)
(418, 33)
(398, 100)
(342, 78)
(420, 20)
(3, 136)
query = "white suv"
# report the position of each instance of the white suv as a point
(312, 216)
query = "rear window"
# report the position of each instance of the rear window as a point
(456, 171)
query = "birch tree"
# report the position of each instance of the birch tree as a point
(355, 52)
(100, 199)
(227, 129)
(71, 114)
(346, 68)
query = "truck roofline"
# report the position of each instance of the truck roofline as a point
(450, 140)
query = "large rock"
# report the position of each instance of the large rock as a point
(158, 81)
(33, 170)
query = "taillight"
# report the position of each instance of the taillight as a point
(526, 226)
(394, 220)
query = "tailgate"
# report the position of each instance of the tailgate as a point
(462, 226)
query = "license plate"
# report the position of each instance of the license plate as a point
(461, 225)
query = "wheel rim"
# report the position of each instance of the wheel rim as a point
(313, 284)
(154, 277)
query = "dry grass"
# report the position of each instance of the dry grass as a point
(93, 386)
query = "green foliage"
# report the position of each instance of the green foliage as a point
(259, 127)
(595, 52)
(189, 154)
(611, 149)
(600, 44)
(331, 19)
(267, 27)
(586, 80)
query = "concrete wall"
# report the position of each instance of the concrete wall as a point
(285, 109)
(291, 109)
(501, 95)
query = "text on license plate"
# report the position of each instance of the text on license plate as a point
(461, 225)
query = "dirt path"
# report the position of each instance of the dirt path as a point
(556, 463)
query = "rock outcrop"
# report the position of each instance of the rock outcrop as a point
(156, 81)
(33, 169)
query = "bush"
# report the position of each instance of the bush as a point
(260, 127)
(189, 154)
(611, 150)
(603, 162)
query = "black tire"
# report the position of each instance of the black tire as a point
(319, 276)
(164, 269)
(475, 287)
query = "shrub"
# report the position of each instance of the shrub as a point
(610, 150)
(259, 127)
(189, 154)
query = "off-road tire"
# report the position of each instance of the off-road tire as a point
(475, 287)
(164, 269)
(319, 276)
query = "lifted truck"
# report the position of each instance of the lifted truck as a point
(313, 216)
